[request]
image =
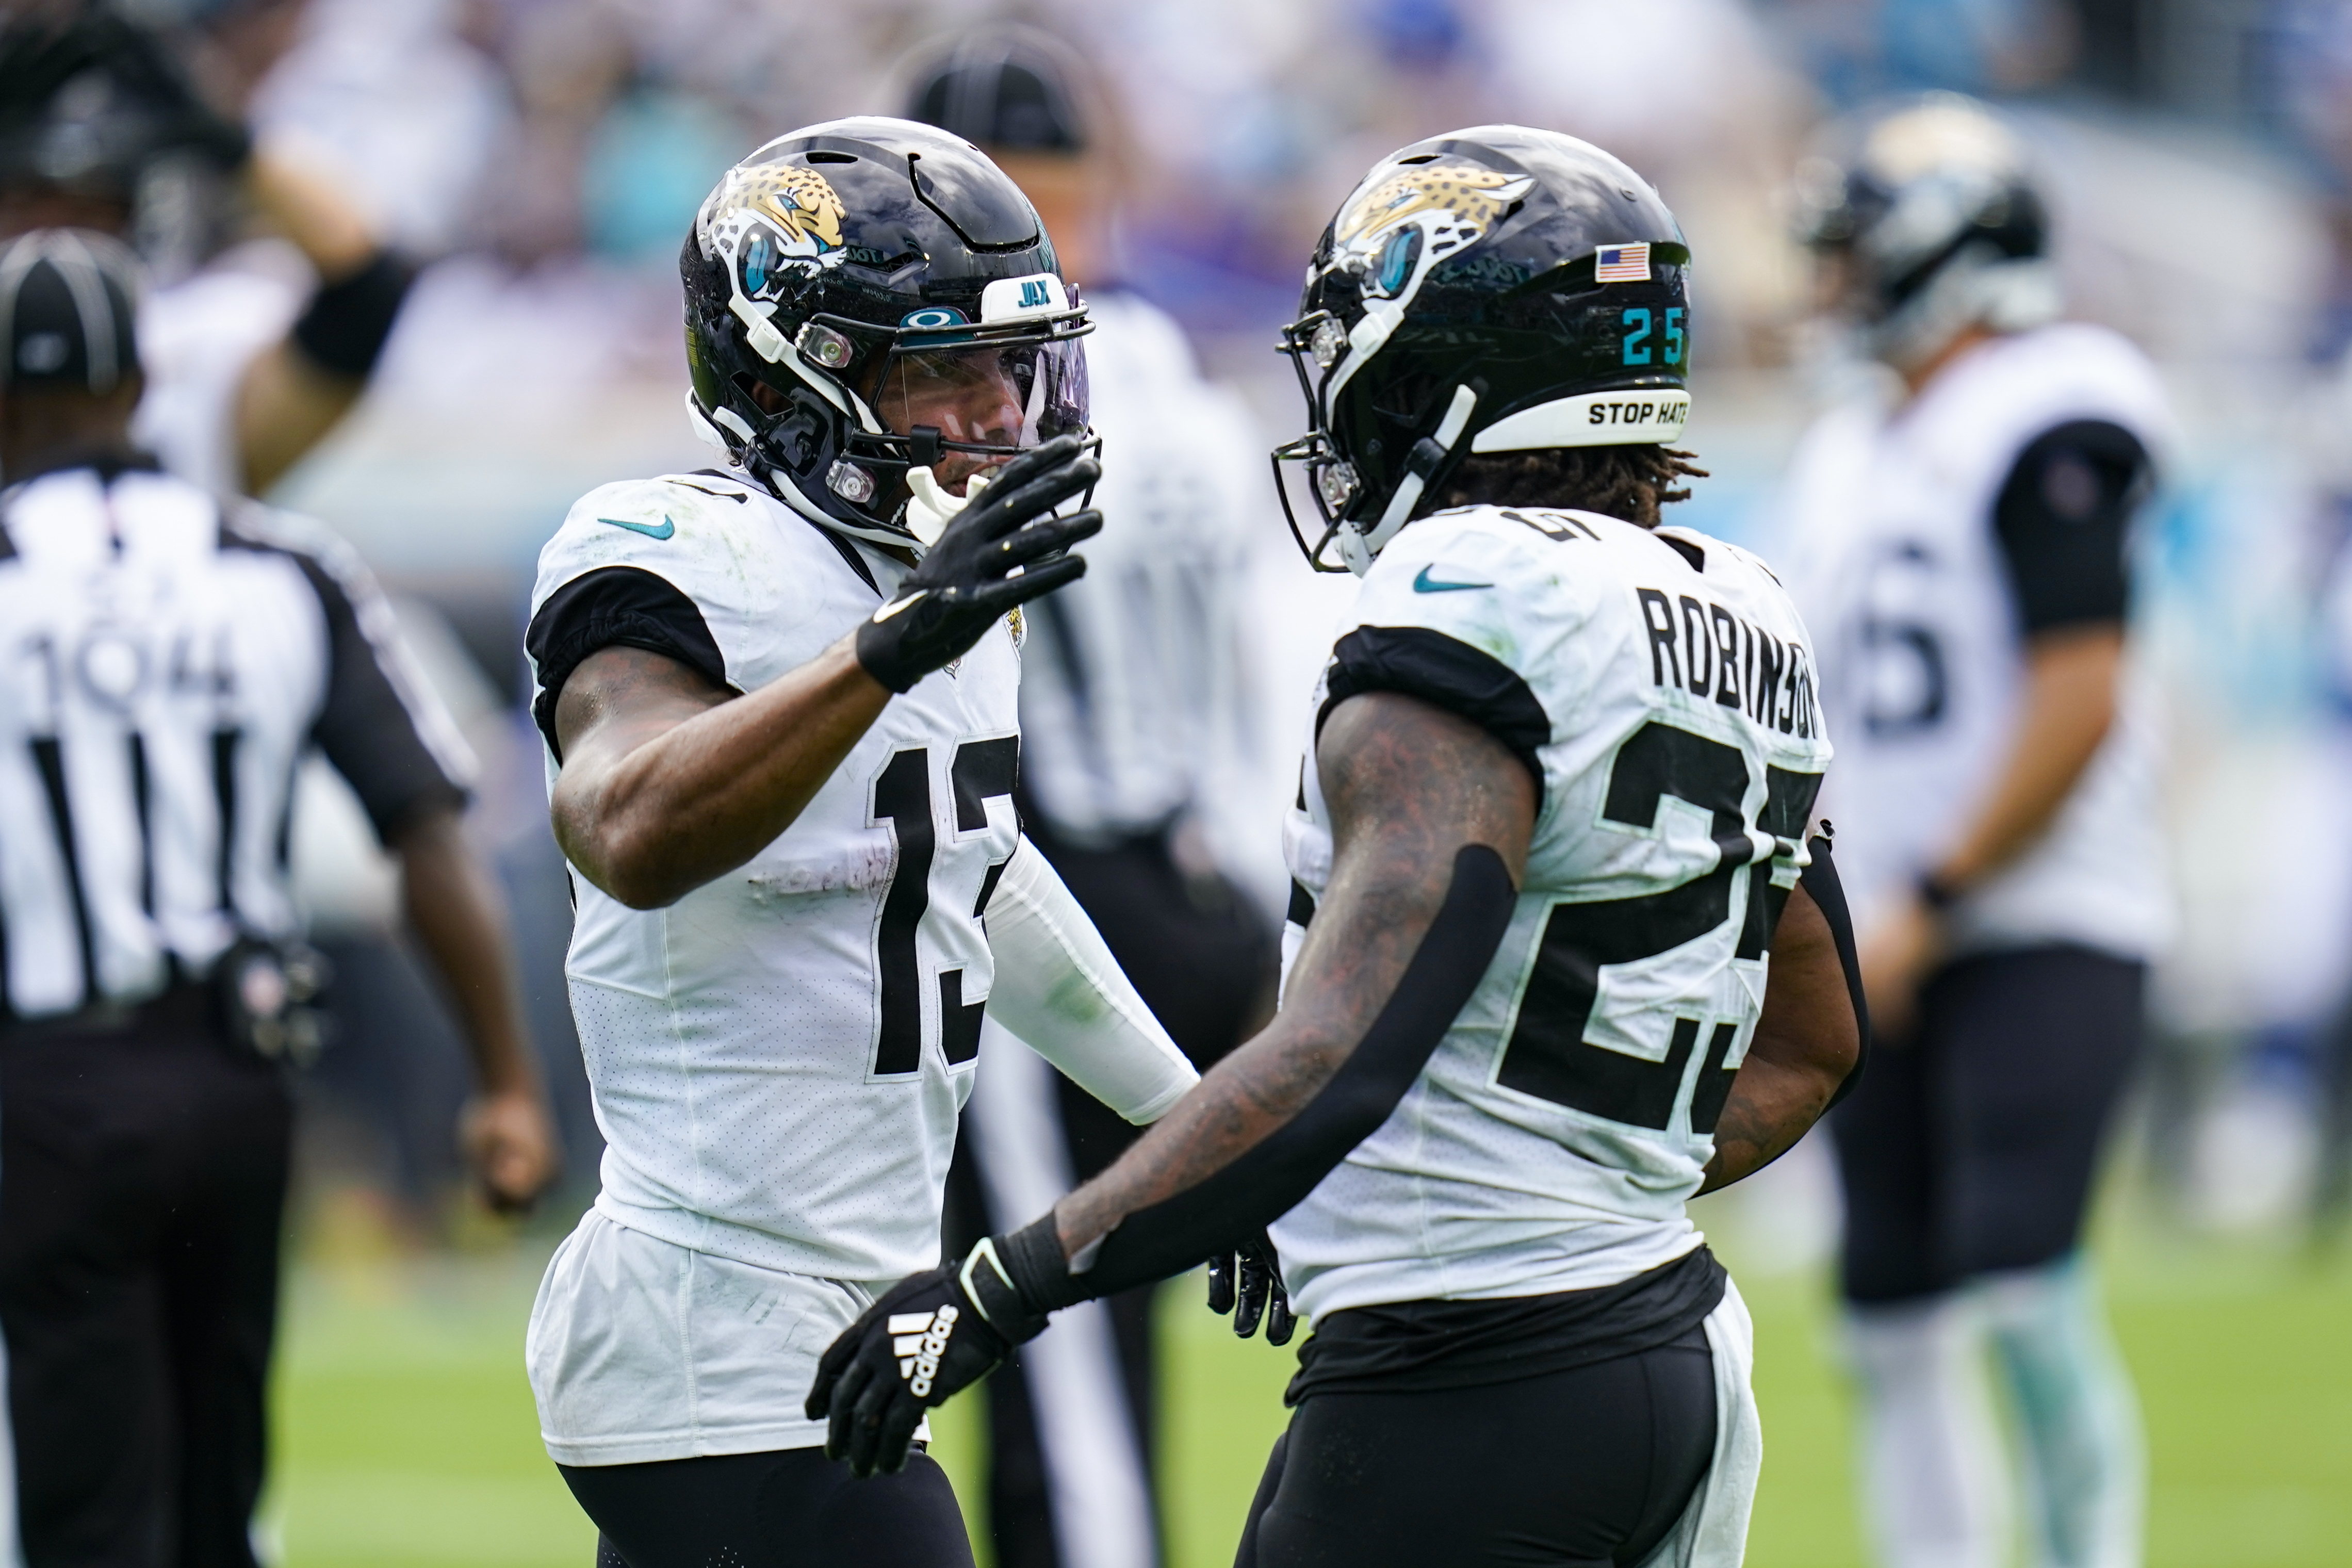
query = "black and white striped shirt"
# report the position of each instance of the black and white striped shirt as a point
(166, 661)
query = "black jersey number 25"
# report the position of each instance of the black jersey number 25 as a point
(1548, 1055)
(902, 797)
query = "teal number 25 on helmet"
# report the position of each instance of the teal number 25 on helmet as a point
(1494, 290)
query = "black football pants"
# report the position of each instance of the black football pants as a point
(1971, 1145)
(142, 1178)
(789, 1508)
(1585, 1468)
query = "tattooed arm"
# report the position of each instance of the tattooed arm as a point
(670, 779)
(1409, 787)
(1806, 1042)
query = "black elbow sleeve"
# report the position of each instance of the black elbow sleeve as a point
(345, 327)
(1270, 1179)
(1821, 883)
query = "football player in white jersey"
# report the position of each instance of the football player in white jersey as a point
(1959, 543)
(1551, 824)
(779, 699)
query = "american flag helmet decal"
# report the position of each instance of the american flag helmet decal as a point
(1622, 263)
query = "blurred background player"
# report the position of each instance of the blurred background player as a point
(1136, 716)
(102, 126)
(1962, 549)
(187, 652)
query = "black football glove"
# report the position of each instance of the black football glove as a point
(1247, 1282)
(934, 1335)
(961, 588)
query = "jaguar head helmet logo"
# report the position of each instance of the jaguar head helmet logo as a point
(1395, 229)
(774, 219)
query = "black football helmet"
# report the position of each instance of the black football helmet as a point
(1932, 209)
(839, 270)
(1494, 290)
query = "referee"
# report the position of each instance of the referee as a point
(167, 661)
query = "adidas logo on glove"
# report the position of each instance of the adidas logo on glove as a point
(919, 1340)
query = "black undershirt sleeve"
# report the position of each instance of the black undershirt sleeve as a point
(613, 607)
(2064, 519)
(348, 322)
(1448, 673)
(365, 726)
(1820, 880)
(1270, 1179)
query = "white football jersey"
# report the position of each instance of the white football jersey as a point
(1890, 550)
(1662, 686)
(778, 1058)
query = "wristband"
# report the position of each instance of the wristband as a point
(347, 322)
(1037, 1269)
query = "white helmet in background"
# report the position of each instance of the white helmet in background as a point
(1933, 212)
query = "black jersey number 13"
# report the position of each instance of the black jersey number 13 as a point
(1548, 1055)
(902, 797)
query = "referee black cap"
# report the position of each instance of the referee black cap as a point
(69, 311)
(1006, 86)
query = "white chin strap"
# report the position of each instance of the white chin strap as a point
(1358, 548)
(704, 430)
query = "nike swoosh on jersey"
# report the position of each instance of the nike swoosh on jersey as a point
(1425, 584)
(647, 529)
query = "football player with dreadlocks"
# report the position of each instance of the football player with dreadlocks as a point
(1563, 953)
(1961, 539)
(779, 700)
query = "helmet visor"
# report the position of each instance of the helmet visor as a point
(973, 406)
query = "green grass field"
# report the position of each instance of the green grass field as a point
(405, 1434)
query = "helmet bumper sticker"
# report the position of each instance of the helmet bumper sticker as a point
(1590, 419)
(1030, 298)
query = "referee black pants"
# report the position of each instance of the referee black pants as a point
(142, 1177)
